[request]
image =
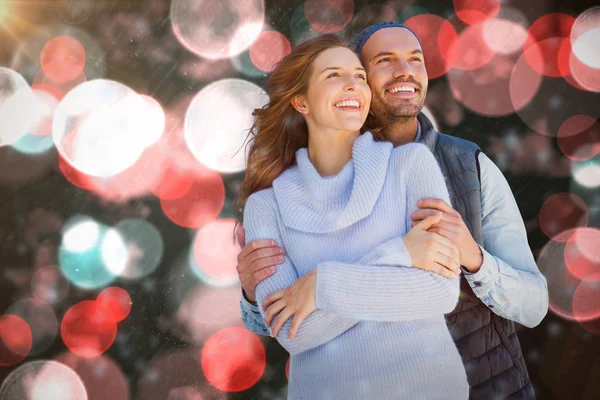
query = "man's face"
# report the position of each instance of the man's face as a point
(396, 73)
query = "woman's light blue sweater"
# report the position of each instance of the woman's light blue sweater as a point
(379, 330)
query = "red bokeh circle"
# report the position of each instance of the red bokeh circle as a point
(579, 137)
(582, 252)
(561, 212)
(233, 359)
(586, 299)
(15, 340)
(62, 58)
(114, 304)
(85, 332)
(268, 49)
(476, 11)
(201, 204)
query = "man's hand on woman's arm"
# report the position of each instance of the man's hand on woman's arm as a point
(257, 261)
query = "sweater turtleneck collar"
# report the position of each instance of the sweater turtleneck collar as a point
(311, 203)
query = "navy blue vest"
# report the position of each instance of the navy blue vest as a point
(487, 343)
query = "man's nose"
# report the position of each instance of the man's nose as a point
(402, 68)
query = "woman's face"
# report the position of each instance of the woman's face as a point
(338, 97)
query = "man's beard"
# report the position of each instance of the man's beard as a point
(389, 114)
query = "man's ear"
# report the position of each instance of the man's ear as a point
(299, 103)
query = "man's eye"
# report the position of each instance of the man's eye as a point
(385, 59)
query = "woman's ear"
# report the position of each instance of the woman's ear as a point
(299, 103)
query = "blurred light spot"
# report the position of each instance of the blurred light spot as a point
(173, 182)
(505, 84)
(411, 11)
(33, 144)
(561, 212)
(144, 247)
(476, 11)
(75, 11)
(15, 340)
(586, 76)
(185, 393)
(217, 30)
(19, 111)
(47, 105)
(27, 56)
(586, 299)
(438, 38)
(268, 49)
(41, 320)
(471, 50)
(48, 285)
(587, 173)
(81, 236)
(206, 309)
(113, 304)
(201, 204)
(582, 252)
(587, 26)
(548, 33)
(43, 380)
(561, 283)
(504, 36)
(114, 251)
(586, 48)
(62, 58)
(84, 331)
(233, 359)
(102, 377)
(39, 139)
(579, 137)
(301, 29)
(217, 123)
(98, 127)
(215, 251)
(82, 253)
(330, 16)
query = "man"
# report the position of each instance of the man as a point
(500, 281)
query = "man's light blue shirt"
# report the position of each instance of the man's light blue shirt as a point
(508, 282)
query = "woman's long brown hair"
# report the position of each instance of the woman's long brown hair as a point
(279, 131)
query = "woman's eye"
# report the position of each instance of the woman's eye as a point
(361, 76)
(333, 74)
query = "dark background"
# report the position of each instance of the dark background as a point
(561, 355)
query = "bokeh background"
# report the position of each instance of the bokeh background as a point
(122, 125)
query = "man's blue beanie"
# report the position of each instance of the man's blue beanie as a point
(359, 40)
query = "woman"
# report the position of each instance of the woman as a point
(368, 325)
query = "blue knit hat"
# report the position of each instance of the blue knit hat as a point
(359, 40)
